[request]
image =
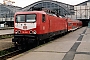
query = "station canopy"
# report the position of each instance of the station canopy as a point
(59, 7)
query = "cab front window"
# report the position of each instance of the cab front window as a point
(26, 18)
(31, 18)
(20, 18)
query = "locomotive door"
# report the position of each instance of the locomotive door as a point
(50, 24)
(45, 25)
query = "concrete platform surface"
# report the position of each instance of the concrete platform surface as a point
(83, 51)
(3, 32)
(6, 28)
(73, 46)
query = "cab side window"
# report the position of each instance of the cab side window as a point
(43, 18)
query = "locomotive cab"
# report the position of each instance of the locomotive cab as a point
(24, 24)
(30, 27)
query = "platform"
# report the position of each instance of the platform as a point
(6, 28)
(4, 32)
(73, 46)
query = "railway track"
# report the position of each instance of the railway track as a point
(7, 53)
(13, 51)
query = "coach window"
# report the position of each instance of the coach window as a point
(43, 18)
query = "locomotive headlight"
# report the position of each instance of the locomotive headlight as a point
(15, 32)
(31, 32)
(34, 32)
(18, 32)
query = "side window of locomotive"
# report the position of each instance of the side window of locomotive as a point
(20, 18)
(31, 18)
(43, 18)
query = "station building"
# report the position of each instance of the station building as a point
(82, 12)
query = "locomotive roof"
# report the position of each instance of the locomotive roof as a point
(33, 12)
(28, 12)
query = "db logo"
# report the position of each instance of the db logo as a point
(24, 27)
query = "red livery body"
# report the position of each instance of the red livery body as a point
(38, 25)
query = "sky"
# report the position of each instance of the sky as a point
(23, 3)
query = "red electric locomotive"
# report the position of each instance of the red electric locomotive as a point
(37, 25)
